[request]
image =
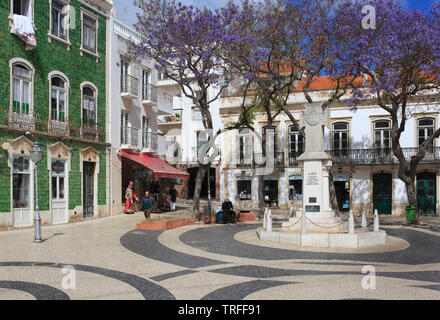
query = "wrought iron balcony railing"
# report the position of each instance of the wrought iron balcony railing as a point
(149, 93)
(278, 160)
(293, 157)
(379, 156)
(90, 130)
(150, 141)
(129, 137)
(129, 85)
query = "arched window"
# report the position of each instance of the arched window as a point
(58, 98)
(89, 106)
(340, 138)
(21, 88)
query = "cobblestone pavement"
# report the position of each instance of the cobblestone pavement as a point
(113, 260)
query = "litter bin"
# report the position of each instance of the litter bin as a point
(410, 213)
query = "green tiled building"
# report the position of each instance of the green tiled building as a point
(53, 89)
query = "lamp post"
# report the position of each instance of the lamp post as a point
(36, 155)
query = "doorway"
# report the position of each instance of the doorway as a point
(88, 188)
(58, 191)
(342, 189)
(426, 192)
(270, 189)
(382, 191)
(22, 192)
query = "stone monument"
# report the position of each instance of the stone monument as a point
(316, 164)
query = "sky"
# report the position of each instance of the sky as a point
(126, 12)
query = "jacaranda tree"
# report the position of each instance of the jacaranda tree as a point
(400, 53)
(185, 42)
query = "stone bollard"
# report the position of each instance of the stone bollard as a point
(351, 223)
(376, 221)
(364, 220)
(303, 223)
(269, 221)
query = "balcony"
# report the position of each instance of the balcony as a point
(293, 158)
(166, 123)
(149, 95)
(90, 130)
(129, 138)
(380, 156)
(164, 104)
(129, 86)
(164, 81)
(278, 160)
(150, 142)
(20, 120)
(60, 128)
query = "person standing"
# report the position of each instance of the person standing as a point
(129, 197)
(148, 204)
(173, 198)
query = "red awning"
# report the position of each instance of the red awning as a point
(160, 168)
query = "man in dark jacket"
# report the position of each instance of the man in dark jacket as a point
(148, 204)
(228, 212)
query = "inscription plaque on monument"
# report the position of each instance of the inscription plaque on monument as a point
(312, 179)
(313, 208)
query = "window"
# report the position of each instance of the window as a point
(295, 188)
(124, 127)
(272, 131)
(244, 188)
(296, 143)
(340, 139)
(21, 89)
(382, 137)
(202, 138)
(425, 130)
(89, 106)
(244, 143)
(58, 168)
(57, 99)
(22, 8)
(21, 182)
(145, 77)
(145, 129)
(59, 20)
(89, 33)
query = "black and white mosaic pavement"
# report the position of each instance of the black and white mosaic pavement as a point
(209, 263)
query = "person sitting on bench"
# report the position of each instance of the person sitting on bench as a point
(228, 212)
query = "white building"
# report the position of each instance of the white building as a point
(184, 129)
(364, 169)
(135, 102)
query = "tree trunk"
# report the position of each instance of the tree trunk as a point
(261, 196)
(412, 198)
(201, 173)
(333, 199)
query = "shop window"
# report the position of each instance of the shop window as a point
(244, 188)
(295, 188)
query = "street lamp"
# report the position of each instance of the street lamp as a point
(36, 155)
